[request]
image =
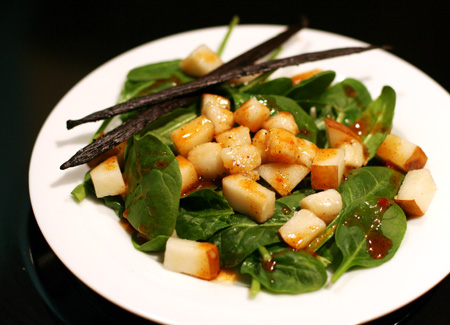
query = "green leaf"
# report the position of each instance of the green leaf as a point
(202, 214)
(152, 78)
(370, 227)
(244, 236)
(168, 123)
(154, 187)
(344, 101)
(289, 271)
(154, 71)
(375, 122)
(279, 86)
(312, 87)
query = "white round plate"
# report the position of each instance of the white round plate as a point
(89, 240)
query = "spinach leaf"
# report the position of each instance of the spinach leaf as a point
(154, 188)
(279, 86)
(202, 214)
(291, 202)
(375, 122)
(152, 78)
(168, 123)
(293, 271)
(343, 101)
(370, 227)
(312, 87)
(155, 71)
(244, 236)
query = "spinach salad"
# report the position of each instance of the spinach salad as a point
(366, 232)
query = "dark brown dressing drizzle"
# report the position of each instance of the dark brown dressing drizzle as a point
(378, 245)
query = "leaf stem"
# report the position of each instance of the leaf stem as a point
(233, 23)
(266, 256)
(255, 288)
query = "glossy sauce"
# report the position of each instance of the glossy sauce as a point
(378, 245)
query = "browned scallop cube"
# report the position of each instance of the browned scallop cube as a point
(217, 109)
(282, 120)
(327, 170)
(283, 177)
(189, 175)
(199, 130)
(201, 61)
(235, 136)
(401, 154)
(252, 114)
(416, 192)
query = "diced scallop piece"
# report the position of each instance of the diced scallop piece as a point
(201, 61)
(354, 156)
(341, 136)
(216, 101)
(248, 197)
(259, 141)
(283, 177)
(189, 176)
(416, 192)
(282, 146)
(325, 204)
(207, 160)
(307, 151)
(401, 153)
(327, 169)
(199, 130)
(201, 260)
(282, 120)
(241, 159)
(301, 229)
(252, 114)
(107, 178)
(217, 109)
(235, 136)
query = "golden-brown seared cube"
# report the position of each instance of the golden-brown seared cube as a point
(107, 178)
(189, 175)
(283, 177)
(327, 169)
(402, 154)
(325, 204)
(235, 136)
(341, 136)
(282, 146)
(217, 109)
(307, 151)
(199, 130)
(416, 192)
(252, 114)
(248, 197)
(201, 260)
(201, 61)
(282, 120)
(216, 101)
(301, 229)
(259, 141)
(207, 160)
(241, 159)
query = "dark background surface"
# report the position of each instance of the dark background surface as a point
(48, 46)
